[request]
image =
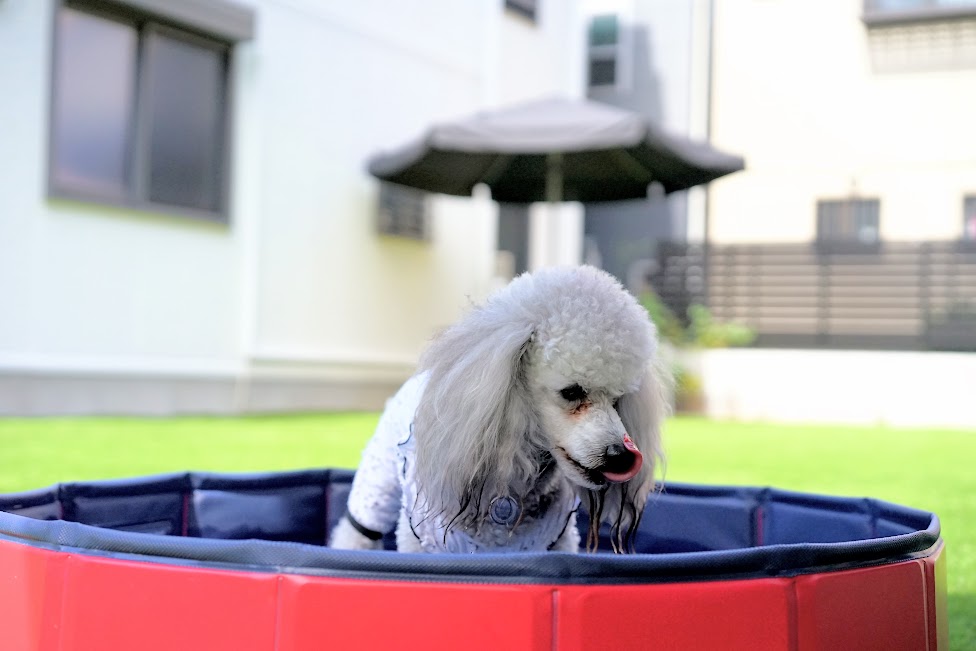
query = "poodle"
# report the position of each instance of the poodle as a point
(547, 395)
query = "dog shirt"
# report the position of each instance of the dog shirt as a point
(385, 485)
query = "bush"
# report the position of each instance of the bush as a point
(702, 331)
(689, 397)
(705, 332)
(669, 327)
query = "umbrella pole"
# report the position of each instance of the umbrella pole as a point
(554, 197)
(554, 177)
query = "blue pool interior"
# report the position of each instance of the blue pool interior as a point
(283, 519)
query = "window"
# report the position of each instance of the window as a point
(969, 218)
(845, 222)
(139, 109)
(920, 35)
(603, 50)
(402, 211)
(527, 8)
(878, 12)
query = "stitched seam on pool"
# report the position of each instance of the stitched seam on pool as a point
(759, 524)
(277, 616)
(185, 524)
(792, 616)
(554, 634)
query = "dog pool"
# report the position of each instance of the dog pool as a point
(216, 561)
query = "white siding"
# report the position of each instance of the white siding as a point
(298, 285)
(796, 91)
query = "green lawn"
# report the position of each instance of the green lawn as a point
(928, 469)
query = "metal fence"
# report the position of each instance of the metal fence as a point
(896, 296)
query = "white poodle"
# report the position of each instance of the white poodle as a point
(545, 395)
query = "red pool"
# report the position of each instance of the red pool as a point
(207, 561)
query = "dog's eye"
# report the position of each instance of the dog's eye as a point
(573, 393)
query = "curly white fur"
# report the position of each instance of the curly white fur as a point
(533, 397)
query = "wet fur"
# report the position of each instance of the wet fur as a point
(480, 427)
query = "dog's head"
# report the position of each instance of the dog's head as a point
(559, 365)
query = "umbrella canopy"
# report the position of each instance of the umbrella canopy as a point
(554, 150)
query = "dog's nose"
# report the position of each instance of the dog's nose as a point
(618, 459)
(621, 461)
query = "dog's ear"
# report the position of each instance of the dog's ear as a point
(642, 413)
(471, 423)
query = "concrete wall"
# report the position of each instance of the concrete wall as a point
(835, 386)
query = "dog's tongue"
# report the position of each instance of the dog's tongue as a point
(634, 469)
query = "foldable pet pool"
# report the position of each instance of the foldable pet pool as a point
(206, 561)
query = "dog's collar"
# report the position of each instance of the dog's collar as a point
(363, 529)
(508, 510)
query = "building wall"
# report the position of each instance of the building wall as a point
(88, 286)
(359, 79)
(297, 302)
(823, 107)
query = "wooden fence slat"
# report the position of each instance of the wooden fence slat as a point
(901, 295)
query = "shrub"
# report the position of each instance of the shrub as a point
(702, 331)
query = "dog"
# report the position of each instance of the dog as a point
(547, 395)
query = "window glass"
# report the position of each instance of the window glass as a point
(603, 30)
(603, 50)
(603, 72)
(848, 220)
(139, 111)
(185, 99)
(94, 80)
(402, 211)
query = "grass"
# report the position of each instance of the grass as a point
(927, 469)
(36, 453)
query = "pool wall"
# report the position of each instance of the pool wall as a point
(204, 561)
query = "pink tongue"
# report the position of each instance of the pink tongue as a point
(634, 469)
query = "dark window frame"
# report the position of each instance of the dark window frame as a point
(172, 21)
(603, 58)
(403, 212)
(842, 238)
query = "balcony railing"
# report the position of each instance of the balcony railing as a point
(901, 296)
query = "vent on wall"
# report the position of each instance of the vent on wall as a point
(402, 211)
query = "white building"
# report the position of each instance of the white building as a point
(849, 241)
(849, 101)
(186, 224)
(854, 223)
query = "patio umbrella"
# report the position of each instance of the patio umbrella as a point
(553, 150)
